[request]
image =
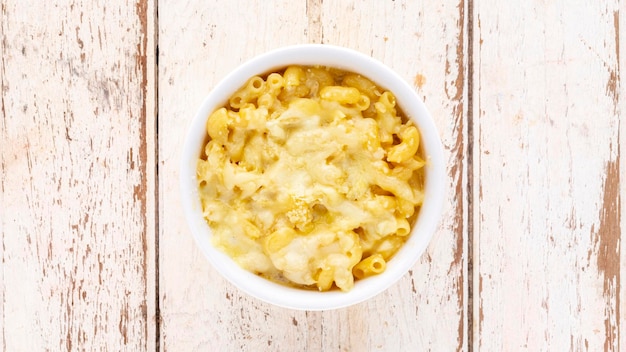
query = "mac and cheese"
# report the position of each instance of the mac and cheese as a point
(311, 177)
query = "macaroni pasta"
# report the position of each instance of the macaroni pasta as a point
(311, 177)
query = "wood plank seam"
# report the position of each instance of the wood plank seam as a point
(470, 176)
(157, 292)
(151, 105)
(141, 193)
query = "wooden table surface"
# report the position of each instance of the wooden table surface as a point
(97, 97)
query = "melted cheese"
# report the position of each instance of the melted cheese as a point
(317, 168)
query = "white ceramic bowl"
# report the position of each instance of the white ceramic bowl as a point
(412, 106)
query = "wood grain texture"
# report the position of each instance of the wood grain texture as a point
(529, 101)
(547, 163)
(73, 176)
(422, 42)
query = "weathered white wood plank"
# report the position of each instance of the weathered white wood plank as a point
(198, 45)
(73, 176)
(423, 42)
(547, 196)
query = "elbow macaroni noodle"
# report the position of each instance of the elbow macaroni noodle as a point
(311, 177)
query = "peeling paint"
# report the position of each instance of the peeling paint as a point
(609, 254)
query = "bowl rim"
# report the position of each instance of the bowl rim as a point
(412, 106)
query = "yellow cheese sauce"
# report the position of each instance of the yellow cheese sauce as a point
(311, 177)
